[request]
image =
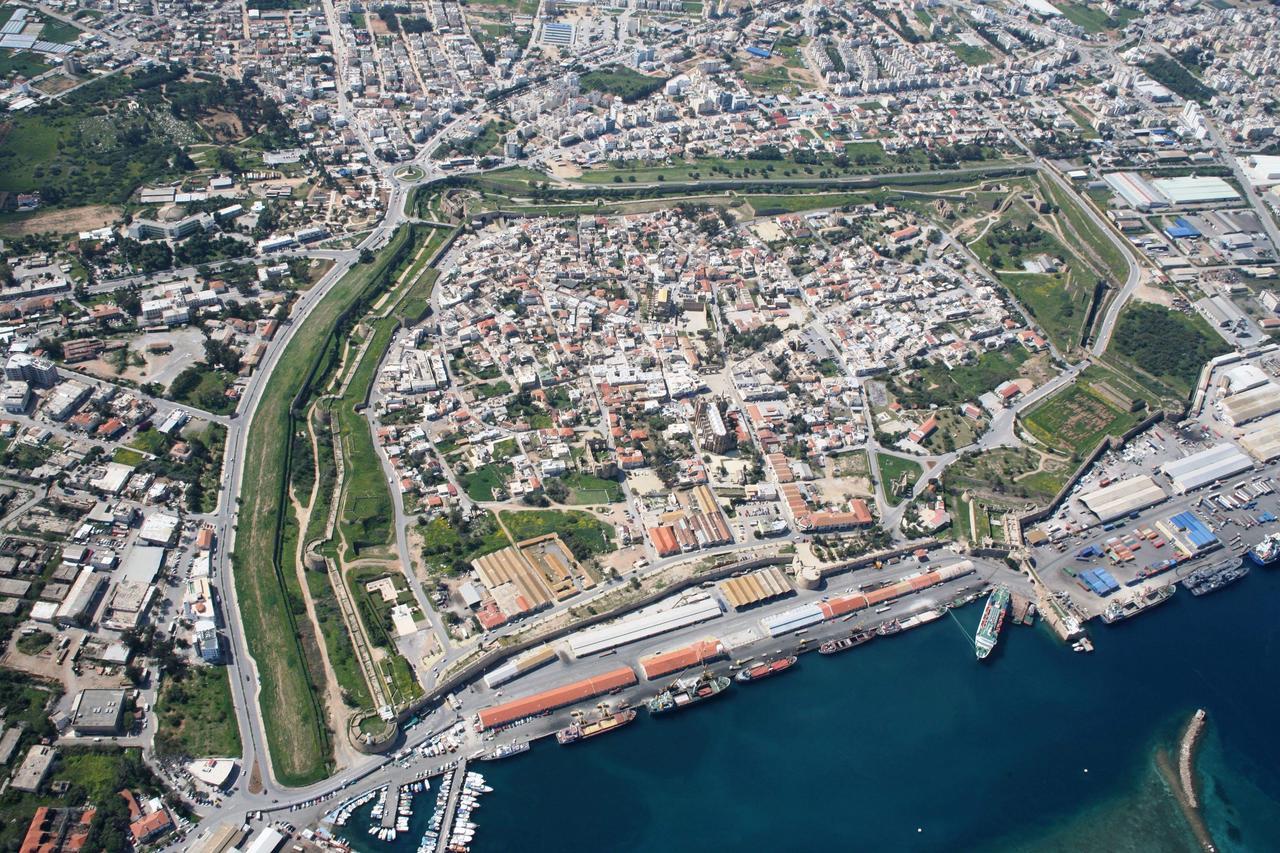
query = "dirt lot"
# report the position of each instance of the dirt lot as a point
(70, 220)
(222, 126)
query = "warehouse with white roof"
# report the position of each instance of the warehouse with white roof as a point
(691, 610)
(1243, 377)
(1207, 466)
(1262, 442)
(1195, 189)
(1239, 409)
(1119, 499)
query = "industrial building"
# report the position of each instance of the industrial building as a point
(1257, 402)
(30, 775)
(1188, 534)
(268, 841)
(664, 663)
(1205, 467)
(81, 598)
(755, 587)
(1119, 499)
(135, 587)
(690, 610)
(1243, 377)
(557, 697)
(811, 614)
(1135, 191)
(97, 712)
(519, 665)
(1195, 189)
(1263, 441)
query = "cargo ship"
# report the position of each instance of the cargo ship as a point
(888, 629)
(992, 621)
(831, 647)
(764, 670)
(918, 619)
(581, 731)
(1117, 610)
(688, 691)
(1267, 551)
(1215, 577)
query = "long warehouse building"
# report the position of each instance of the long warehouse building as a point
(1207, 466)
(1239, 409)
(1119, 499)
(557, 697)
(1263, 441)
(629, 629)
(807, 615)
(518, 666)
(665, 663)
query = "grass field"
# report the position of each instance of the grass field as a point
(296, 735)
(586, 489)
(480, 483)
(1076, 418)
(971, 54)
(196, 717)
(1007, 472)
(1099, 243)
(22, 63)
(1059, 300)
(582, 532)
(891, 469)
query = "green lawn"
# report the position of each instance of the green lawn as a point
(450, 550)
(23, 63)
(196, 717)
(972, 54)
(626, 83)
(480, 483)
(489, 390)
(582, 532)
(586, 489)
(128, 457)
(893, 467)
(938, 385)
(1093, 19)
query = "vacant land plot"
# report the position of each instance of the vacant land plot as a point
(893, 469)
(583, 533)
(486, 481)
(1007, 472)
(586, 489)
(196, 718)
(1077, 418)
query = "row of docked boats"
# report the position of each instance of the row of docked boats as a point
(463, 831)
(431, 839)
(342, 814)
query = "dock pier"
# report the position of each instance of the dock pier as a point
(451, 809)
(393, 806)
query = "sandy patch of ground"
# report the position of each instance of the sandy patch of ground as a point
(69, 220)
(767, 230)
(564, 170)
(1147, 292)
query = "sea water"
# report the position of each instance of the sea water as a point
(908, 743)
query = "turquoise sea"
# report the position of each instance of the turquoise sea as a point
(907, 743)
